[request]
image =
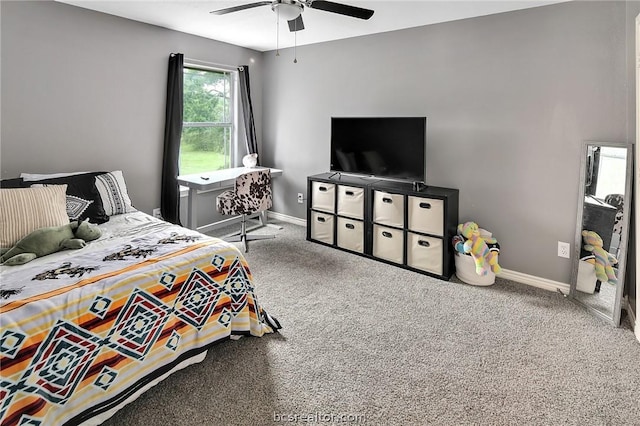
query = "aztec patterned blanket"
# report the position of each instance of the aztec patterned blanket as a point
(83, 331)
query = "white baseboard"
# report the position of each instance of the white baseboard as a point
(507, 274)
(534, 281)
(286, 218)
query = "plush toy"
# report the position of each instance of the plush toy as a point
(477, 246)
(603, 260)
(44, 241)
(458, 243)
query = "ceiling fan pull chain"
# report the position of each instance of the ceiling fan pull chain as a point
(278, 32)
(295, 43)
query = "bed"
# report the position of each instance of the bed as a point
(84, 332)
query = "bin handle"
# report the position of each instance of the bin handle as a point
(322, 188)
(349, 226)
(387, 234)
(424, 243)
(321, 219)
(425, 205)
(387, 200)
(348, 192)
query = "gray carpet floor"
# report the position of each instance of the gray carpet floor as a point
(367, 343)
(602, 300)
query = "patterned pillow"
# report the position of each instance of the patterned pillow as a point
(113, 191)
(83, 198)
(23, 210)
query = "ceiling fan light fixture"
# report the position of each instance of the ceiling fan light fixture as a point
(287, 11)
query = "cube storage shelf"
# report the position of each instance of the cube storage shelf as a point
(384, 220)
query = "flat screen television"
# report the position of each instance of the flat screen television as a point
(384, 147)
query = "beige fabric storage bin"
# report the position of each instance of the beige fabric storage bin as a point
(587, 279)
(388, 209)
(322, 227)
(351, 201)
(424, 253)
(466, 271)
(426, 215)
(350, 234)
(323, 196)
(388, 243)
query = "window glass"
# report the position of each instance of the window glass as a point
(612, 171)
(208, 122)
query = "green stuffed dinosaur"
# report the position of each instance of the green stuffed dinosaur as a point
(44, 241)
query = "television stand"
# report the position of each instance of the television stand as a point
(385, 220)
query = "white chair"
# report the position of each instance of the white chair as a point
(251, 194)
(617, 201)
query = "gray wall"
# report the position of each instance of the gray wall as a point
(509, 100)
(508, 97)
(633, 9)
(85, 90)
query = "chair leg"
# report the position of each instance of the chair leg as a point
(244, 237)
(238, 236)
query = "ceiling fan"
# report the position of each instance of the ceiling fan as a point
(291, 10)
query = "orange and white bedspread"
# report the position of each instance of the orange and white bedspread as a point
(86, 330)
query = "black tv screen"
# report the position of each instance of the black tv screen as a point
(385, 147)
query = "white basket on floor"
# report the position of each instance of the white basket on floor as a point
(466, 271)
(586, 282)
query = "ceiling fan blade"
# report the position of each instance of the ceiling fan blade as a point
(342, 9)
(296, 24)
(238, 8)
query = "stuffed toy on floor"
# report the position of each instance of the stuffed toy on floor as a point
(44, 241)
(603, 260)
(484, 258)
(458, 243)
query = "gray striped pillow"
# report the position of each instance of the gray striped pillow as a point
(113, 192)
(23, 210)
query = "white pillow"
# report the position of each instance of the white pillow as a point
(113, 192)
(23, 210)
(31, 177)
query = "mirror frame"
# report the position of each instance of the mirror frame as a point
(624, 237)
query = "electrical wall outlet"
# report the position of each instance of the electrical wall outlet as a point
(156, 213)
(300, 198)
(564, 249)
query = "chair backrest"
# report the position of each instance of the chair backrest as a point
(253, 191)
(617, 201)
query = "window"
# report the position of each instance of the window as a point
(208, 130)
(611, 172)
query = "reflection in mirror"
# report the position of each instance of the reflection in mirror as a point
(601, 233)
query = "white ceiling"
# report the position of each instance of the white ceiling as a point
(256, 28)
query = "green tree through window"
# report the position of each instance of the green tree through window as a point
(207, 127)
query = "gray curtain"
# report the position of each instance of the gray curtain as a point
(170, 196)
(247, 111)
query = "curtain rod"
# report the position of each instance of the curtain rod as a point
(210, 64)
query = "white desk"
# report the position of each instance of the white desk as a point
(208, 181)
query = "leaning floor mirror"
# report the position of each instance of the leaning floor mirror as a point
(602, 228)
